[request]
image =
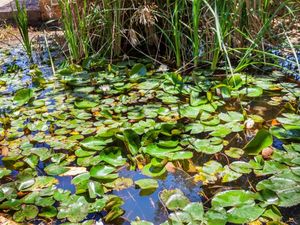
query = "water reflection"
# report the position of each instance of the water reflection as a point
(149, 207)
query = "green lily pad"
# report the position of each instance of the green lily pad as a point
(174, 199)
(23, 96)
(147, 183)
(93, 143)
(27, 213)
(85, 104)
(102, 171)
(244, 214)
(233, 198)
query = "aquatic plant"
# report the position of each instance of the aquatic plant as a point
(177, 32)
(75, 27)
(21, 19)
(126, 130)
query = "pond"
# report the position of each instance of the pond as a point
(113, 144)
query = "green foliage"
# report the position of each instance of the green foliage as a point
(21, 19)
(179, 31)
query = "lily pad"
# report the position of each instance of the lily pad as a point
(147, 183)
(23, 96)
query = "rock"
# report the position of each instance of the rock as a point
(267, 152)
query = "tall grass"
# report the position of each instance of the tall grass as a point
(21, 19)
(196, 25)
(75, 28)
(179, 32)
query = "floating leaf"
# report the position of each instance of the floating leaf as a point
(23, 96)
(174, 199)
(85, 104)
(132, 141)
(233, 198)
(147, 183)
(93, 143)
(29, 212)
(102, 171)
(244, 214)
(75, 208)
(54, 169)
(235, 153)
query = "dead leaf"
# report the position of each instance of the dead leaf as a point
(73, 171)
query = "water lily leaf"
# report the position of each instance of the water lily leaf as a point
(207, 146)
(101, 171)
(23, 96)
(141, 222)
(195, 128)
(235, 153)
(54, 169)
(27, 213)
(196, 99)
(11, 204)
(83, 153)
(159, 152)
(150, 84)
(81, 178)
(241, 167)
(73, 171)
(189, 111)
(121, 183)
(132, 141)
(95, 189)
(221, 131)
(195, 209)
(153, 171)
(85, 104)
(273, 213)
(113, 158)
(233, 198)
(288, 132)
(93, 143)
(44, 202)
(218, 217)
(147, 183)
(174, 199)
(261, 140)
(4, 172)
(230, 175)
(181, 155)
(209, 172)
(289, 197)
(252, 91)
(25, 182)
(48, 212)
(75, 208)
(244, 214)
(98, 205)
(180, 217)
(168, 144)
(231, 116)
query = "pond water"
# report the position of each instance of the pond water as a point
(48, 130)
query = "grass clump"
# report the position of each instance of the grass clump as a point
(177, 32)
(21, 19)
